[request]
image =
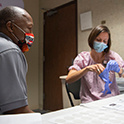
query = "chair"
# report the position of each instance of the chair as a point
(73, 88)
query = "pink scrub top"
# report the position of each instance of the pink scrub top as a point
(91, 84)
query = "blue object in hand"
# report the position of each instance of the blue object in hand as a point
(112, 65)
(105, 77)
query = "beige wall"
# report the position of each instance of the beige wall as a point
(50, 4)
(32, 56)
(109, 10)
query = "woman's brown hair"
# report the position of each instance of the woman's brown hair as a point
(95, 32)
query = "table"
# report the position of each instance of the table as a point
(27, 118)
(105, 111)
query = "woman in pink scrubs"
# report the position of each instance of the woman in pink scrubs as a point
(88, 66)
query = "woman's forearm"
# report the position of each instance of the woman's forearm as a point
(75, 75)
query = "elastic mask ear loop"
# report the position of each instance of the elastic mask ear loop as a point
(19, 28)
(15, 36)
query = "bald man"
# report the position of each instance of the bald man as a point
(16, 37)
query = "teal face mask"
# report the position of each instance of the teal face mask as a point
(99, 46)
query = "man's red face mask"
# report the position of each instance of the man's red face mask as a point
(27, 42)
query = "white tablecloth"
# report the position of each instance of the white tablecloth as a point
(106, 111)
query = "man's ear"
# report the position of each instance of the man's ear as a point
(9, 26)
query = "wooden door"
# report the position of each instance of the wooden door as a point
(60, 48)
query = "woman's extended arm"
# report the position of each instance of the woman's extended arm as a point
(74, 75)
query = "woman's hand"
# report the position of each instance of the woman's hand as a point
(121, 72)
(98, 68)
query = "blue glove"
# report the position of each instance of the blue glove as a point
(112, 65)
(105, 77)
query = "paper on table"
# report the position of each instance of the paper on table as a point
(117, 105)
(31, 118)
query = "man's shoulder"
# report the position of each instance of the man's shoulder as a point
(6, 44)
